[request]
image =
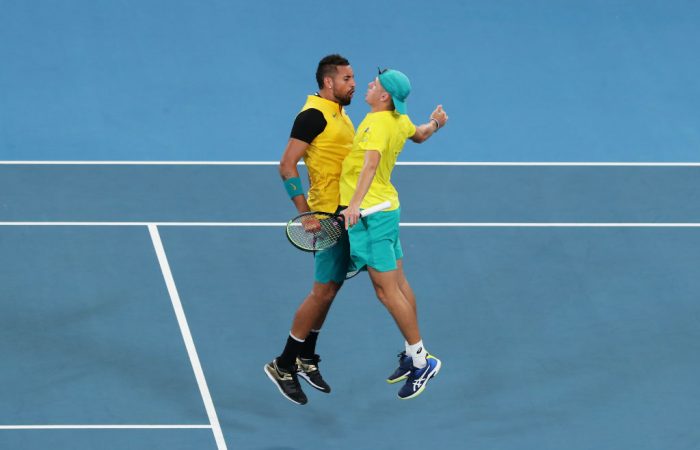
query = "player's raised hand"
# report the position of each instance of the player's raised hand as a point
(440, 116)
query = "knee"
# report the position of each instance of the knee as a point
(384, 295)
(323, 294)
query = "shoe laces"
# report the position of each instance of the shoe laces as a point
(295, 385)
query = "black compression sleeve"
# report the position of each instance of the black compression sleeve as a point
(308, 124)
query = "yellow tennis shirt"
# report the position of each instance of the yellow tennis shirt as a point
(325, 154)
(385, 132)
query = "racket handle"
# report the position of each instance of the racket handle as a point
(376, 208)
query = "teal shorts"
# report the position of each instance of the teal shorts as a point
(333, 263)
(374, 241)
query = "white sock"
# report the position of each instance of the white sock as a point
(417, 352)
(406, 345)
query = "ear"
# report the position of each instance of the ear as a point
(328, 82)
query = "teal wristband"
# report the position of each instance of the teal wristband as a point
(293, 186)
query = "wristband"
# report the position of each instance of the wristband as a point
(293, 186)
(437, 124)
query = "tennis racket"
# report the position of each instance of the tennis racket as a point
(314, 231)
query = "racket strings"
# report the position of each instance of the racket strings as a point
(326, 235)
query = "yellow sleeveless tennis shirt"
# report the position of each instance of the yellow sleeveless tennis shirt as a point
(385, 132)
(325, 154)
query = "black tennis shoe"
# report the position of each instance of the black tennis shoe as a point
(307, 368)
(286, 381)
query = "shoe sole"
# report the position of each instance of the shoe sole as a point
(422, 388)
(306, 378)
(274, 381)
(396, 380)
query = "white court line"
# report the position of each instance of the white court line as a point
(551, 225)
(403, 224)
(103, 427)
(143, 163)
(187, 337)
(400, 163)
(145, 224)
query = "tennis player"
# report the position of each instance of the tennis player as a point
(322, 135)
(374, 240)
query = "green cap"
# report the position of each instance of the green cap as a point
(398, 86)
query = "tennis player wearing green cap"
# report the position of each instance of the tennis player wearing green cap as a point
(374, 240)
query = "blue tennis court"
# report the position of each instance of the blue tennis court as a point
(562, 321)
(551, 230)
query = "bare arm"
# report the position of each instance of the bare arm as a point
(438, 119)
(288, 169)
(369, 169)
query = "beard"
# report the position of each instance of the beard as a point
(344, 100)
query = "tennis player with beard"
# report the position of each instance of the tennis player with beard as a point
(322, 135)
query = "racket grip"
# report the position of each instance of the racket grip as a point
(376, 208)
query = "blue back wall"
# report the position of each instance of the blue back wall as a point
(222, 80)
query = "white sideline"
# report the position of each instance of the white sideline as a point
(403, 224)
(102, 427)
(399, 163)
(187, 337)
